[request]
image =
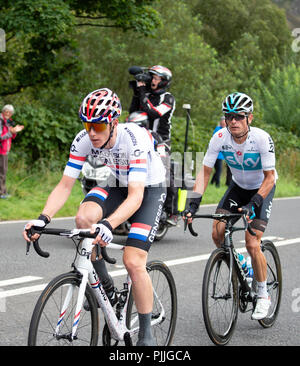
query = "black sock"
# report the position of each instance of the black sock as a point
(145, 332)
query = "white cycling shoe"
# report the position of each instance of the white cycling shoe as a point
(261, 308)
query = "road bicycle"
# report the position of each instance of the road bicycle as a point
(61, 316)
(225, 287)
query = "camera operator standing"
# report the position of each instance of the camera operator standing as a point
(151, 96)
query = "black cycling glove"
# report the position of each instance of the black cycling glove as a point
(255, 203)
(193, 205)
(45, 218)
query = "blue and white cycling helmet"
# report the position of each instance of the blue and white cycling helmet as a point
(237, 103)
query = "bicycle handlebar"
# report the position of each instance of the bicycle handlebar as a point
(219, 216)
(64, 232)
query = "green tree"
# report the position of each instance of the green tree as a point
(226, 24)
(40, 34)
(279, 99)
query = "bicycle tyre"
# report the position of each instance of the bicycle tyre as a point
(164, 285)
(220, 330)
(274, 282)
(161, 231)
(47, 312)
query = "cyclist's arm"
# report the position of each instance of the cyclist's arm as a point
(167, 104)
(268, 183)
(129, 206)
(202, 179)
(268, 165)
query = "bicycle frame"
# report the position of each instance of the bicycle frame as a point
(230, 250)
(84, 266)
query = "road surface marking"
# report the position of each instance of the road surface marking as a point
(121, 272)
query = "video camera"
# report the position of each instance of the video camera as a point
(140, 74)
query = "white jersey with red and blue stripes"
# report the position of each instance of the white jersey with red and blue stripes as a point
(131, 159)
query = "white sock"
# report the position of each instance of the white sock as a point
(262, 289)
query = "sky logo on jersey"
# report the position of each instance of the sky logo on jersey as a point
(251, 161)
(139, 231)
(98, 192)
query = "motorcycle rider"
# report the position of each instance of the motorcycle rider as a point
(137, 193)
(159, 104)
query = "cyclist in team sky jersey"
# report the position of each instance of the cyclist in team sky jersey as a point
(250, 154)
(136, 191)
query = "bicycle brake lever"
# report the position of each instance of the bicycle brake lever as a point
(192, 230)
(247, 225)
(106, 257)
(27, 247)
(185, 225)
(251, 231)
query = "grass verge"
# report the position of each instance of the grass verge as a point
(29, 193)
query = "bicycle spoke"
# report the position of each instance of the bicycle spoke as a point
(219, 306)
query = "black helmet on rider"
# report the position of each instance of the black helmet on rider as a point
(164, 73)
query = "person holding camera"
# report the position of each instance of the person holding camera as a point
(151, 96)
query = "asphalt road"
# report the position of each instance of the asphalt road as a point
(22, 278)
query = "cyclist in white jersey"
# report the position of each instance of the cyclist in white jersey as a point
(250, 155)
(137, 193)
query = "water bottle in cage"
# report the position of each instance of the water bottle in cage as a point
(243, 262)
(249, 270)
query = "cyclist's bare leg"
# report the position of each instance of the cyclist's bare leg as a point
(259, 265)
(218, 232)
(88, 213)
(258, 260)
(135, 262)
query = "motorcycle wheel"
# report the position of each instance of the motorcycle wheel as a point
(161, 231)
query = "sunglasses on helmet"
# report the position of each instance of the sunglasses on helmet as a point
(98, 127)
(238, 117)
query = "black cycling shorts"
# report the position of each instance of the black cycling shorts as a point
(236, 197)
(144, 222)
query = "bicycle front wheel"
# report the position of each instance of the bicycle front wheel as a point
(164, 304)
(48, 314)
(274, 281)
(219, 298)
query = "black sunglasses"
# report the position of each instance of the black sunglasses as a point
(238, 117)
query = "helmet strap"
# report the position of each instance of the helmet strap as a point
(239, 137)
(109, 137)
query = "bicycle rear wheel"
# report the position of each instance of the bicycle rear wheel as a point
(47, 313)
(274, 282)
(165, 296)
(219, 306)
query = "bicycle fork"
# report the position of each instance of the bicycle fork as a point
(84, 267)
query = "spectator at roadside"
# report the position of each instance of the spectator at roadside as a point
(7, 132)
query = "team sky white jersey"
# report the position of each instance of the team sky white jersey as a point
(131, 159)
(246, 161)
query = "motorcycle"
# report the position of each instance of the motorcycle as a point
(95, 173)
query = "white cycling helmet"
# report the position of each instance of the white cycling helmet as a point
(101, 105)
(237, 103)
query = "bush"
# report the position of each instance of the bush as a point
(279, 99)
(46, 137)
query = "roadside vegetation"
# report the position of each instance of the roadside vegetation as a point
(52, 61)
